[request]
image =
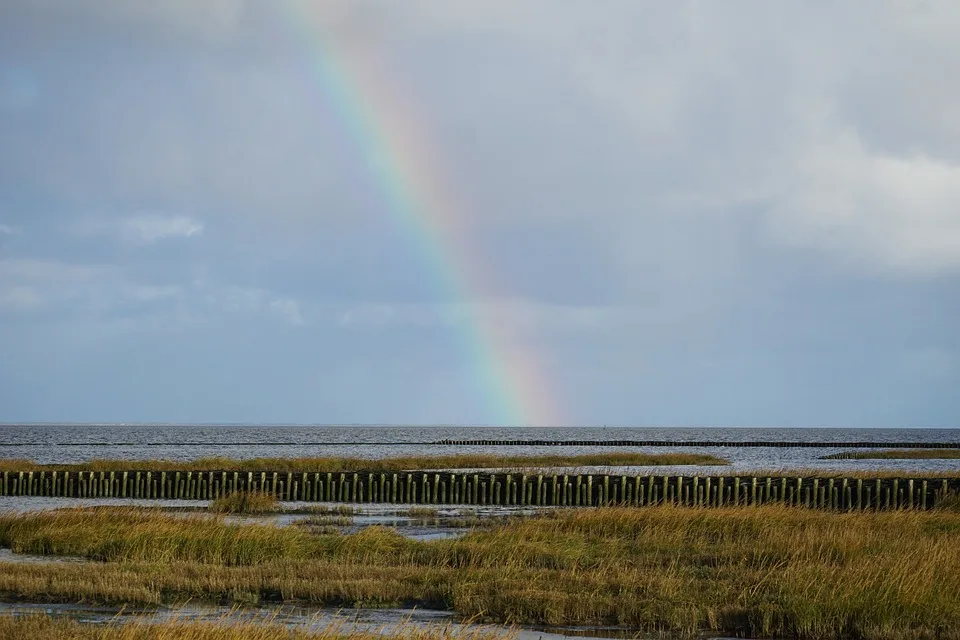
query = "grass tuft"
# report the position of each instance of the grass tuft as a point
(246, 502)
(327, 521)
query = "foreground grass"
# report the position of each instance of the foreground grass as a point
(898, 454)
(228, 628)
(767, 571)
(400, 463)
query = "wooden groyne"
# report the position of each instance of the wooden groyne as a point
(733, 444)
(501, 489)
(747, 444)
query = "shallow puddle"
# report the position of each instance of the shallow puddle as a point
(6, 555)
(417, 522)
(379, 621)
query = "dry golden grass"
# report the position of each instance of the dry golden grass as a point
(229, 627)
(115, 534)
(403, 463)
(760, 571)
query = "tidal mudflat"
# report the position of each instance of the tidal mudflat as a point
(765, 571)
(284, 620)
(737, 556)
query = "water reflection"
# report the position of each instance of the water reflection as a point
(379, 621)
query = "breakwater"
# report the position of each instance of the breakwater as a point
(501, 489)
(779, 444)
(733, 444)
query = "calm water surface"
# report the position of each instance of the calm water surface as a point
(379, 621)
(65, 444)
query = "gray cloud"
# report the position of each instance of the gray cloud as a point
(683, 197)
(151, 227)
(708, 105)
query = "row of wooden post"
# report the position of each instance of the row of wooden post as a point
(780, 444)
(488, 488)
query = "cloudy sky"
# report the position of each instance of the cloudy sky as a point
(480, 211)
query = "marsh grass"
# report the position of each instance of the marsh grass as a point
(897, 454)
(760, 571)
(948, 502)
(403, 463)
(144, 535)
(229, 627)
(423, 512)
(246, 502)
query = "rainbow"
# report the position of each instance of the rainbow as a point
(391, 142)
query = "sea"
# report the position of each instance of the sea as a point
(56, 444)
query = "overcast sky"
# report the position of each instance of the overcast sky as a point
(687, 213)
